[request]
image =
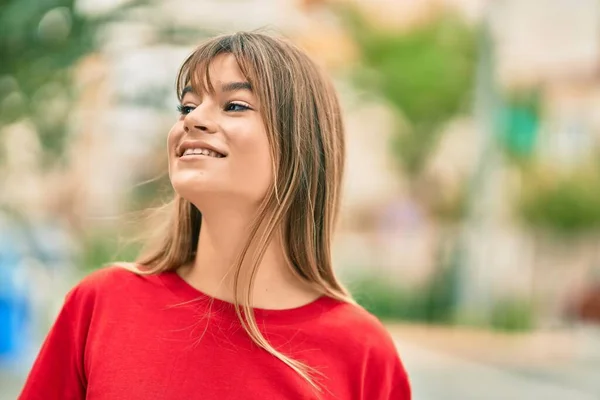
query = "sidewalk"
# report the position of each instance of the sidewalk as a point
(447, 363)
(10, 384)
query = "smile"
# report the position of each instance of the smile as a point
(201, 152)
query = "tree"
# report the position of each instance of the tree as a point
(425, 74)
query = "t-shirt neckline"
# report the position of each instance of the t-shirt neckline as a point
(225, 310)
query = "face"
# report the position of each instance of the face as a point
(218, 148)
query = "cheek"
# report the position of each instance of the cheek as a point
(263, 166)
(173, 137)
(254, 168)
(265, 160)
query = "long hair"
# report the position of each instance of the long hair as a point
(303, 121)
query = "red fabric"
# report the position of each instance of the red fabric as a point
(124, 336)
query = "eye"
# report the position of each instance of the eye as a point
(236, 106)
(184, 110)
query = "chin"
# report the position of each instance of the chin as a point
(192, 185)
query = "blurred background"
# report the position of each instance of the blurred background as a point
(471, 217)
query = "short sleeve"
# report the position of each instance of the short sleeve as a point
(399, 384)
(385, 376)
(58, 372)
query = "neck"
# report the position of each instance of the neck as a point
(222, 236)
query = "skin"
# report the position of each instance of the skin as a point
(228, 190)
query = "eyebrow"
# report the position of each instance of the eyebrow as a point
(228, 87)
(234, 86)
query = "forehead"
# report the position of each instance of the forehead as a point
(224, 68)
(212, 75)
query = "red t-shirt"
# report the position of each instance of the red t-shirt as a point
(124, 336)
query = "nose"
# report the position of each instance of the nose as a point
(199, 120)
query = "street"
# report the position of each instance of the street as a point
(438, 376)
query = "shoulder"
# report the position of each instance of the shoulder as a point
(358, 332)
(105, 277)
(371, 347)
(360, 327)
(106, 284)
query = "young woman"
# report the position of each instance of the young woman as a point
(239, 299)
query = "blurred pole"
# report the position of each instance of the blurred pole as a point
(474, 283)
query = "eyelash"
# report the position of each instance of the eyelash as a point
(185, 110)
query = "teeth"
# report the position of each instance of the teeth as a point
(204, 152)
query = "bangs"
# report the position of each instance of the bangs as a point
(194, 74)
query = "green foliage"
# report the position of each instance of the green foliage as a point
(101, 248)
(512, 315)
(426, 74)
(40, 41)
(432, 303)
(381, 297)
(565, 206)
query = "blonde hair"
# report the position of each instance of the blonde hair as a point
(303, 121)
